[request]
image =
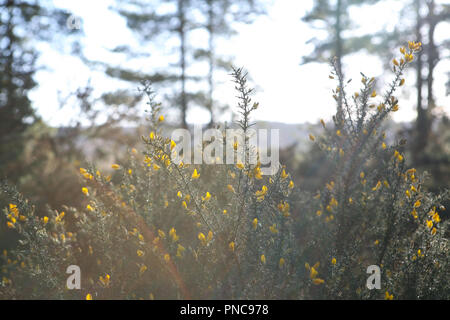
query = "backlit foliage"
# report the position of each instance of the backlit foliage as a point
(152, 229)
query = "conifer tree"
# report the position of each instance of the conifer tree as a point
(22, 23)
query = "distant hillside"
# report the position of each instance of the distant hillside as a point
(290, 134)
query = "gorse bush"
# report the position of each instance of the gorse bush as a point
(156, 229)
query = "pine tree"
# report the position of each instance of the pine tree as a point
(216, 17)
(16, 70)
(21, 24)
(149, 24)
(330, 16)
(425, 15)
(220, 16)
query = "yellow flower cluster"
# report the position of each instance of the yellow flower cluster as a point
(205, 240)
(14, 216)
(313, 273)
(105, 280)
(173, 235)
(388, 296)
(284, 207)
(261, 193)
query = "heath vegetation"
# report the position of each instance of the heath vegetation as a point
(148, 228)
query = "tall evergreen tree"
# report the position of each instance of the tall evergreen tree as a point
(151, 23)
(148, 23)
(425, 16)
(22, 23)
(220, 18)
(331, 17)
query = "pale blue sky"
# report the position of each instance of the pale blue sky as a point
(270, 49)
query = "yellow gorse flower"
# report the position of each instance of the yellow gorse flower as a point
(378, 185)
(105, 281)
(258, 175)
(207, 196)
(161, 234)
(115, 166)
(14, 210)
(408, 194)
(255, 223)
(273, 229)
(143, 269)
(388, 296)
(180, 250)
(262, 192)
(313, 273)
(318, 281)
(323, 123)
(195, 174)
(414, 213)
(202, 238)
(173, 235)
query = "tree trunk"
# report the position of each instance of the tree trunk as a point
(211, 61)
(432, 55)
(421, 122)
(182, 36)
(338, 30)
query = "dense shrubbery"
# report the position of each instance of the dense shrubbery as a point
(155, 229)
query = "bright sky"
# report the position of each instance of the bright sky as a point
(270, 49)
